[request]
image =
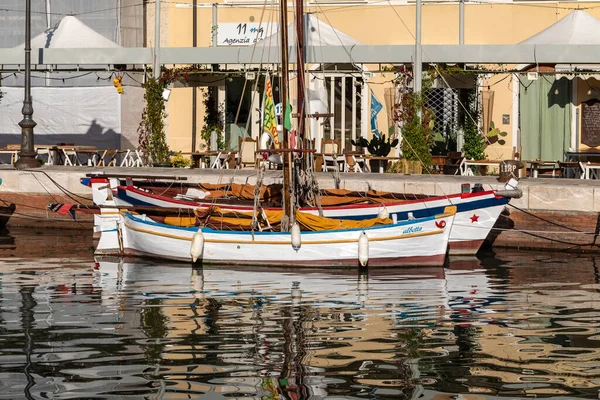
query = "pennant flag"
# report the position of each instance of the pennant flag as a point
(269, 121)
(375, 108)
(86, 181)
(293, 135)
(287, 118)
(62, 209)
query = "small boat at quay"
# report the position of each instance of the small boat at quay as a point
(477, 211)
(418, 242)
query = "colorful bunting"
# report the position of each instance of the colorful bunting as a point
(287, 118)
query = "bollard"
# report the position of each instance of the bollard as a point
(509, 169)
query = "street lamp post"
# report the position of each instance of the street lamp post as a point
(27, 154)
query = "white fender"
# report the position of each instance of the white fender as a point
(383, 213)
(363, 249)
(363, 289)
(296, 237)
(296, 294)
(198, 283)
(197, 246)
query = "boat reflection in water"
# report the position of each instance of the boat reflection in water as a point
(277, 332)
(511, 326)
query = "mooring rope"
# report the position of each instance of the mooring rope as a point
(544, 219)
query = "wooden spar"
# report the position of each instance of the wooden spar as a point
(287, 202)
(141, 209)
(140, 176)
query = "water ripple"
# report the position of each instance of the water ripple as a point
(513, 325)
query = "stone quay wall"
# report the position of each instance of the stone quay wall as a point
(552, 214)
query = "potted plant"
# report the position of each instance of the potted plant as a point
(152, 136)
(179, 161)
(378, 146)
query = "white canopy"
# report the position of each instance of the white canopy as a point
(578, 27)
(316, 32)
(70, 33)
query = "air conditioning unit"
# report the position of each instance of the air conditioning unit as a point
(532, 76)
(250, 76)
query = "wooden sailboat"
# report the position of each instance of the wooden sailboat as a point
(477, 212)
(330, 243)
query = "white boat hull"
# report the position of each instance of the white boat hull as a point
(476, 212)
(421, 242)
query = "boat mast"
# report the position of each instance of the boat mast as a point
(287, 201)
(300, 64)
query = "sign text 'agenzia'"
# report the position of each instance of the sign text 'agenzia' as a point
(244, 33)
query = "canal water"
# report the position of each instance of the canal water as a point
(507, 325)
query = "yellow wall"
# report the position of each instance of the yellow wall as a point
(502, 86)
(381, 24)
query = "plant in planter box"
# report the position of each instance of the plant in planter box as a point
(378, 146)
(179, 161)
(152, 136)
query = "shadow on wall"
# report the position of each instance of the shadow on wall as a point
(560, 93)
(96, 135)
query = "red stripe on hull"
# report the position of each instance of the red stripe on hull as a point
(464, 247)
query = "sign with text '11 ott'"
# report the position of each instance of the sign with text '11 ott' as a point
(244, 33)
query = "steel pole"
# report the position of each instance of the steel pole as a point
(48, 22)
(418, 68)
(156, 67)
(461, 22)
(214, 25)
(194, 88)
(27, 154)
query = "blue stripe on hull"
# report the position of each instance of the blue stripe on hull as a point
(429, 212)
(122, 194)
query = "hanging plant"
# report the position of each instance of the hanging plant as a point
(213, 117)
(414, 119)
(151, 131)
(474, 142)
(213, 120)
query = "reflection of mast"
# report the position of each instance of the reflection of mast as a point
(293, 371)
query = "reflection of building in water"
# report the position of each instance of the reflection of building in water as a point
(533, 333)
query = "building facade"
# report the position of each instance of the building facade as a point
(371, 23)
